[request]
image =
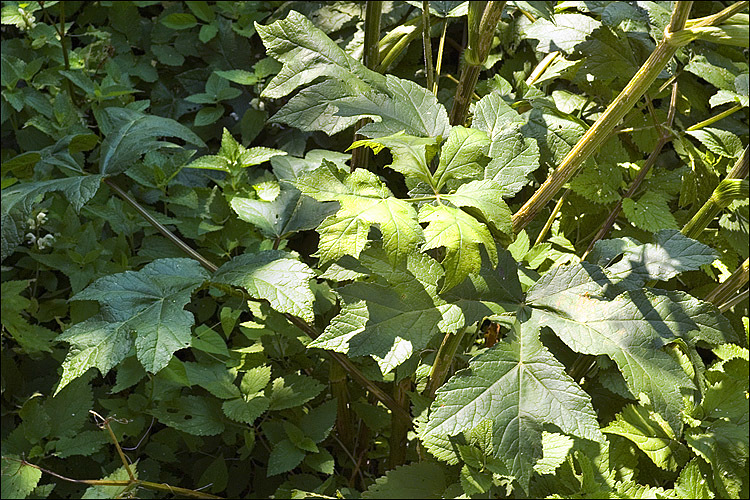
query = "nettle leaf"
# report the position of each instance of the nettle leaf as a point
(650, 213)
(411, 155)
(417, 480)
(365, 201)
(671, 253)
(599, 182)
(555, 449)
(192, 414)
(274, 276)
(18, 202)
(630, 329)
(143, 308)
(651, 434)
(391, 319)
(519, 386)
(406, 106)
(724, 445)
(292, 390)
(487, 197)
(555, 132)
(461, 156)
(460, 234)
(233, 156)
(132, 134)
(307, 53)
(720, 142)
(19, 479)
(513, 157)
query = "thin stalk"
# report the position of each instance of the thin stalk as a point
(600, 131)
(161, 227)
(724, 292)
(480, 41)
(441, 46)
(730, 189)
(541, 67)
(715, 119)
(395, 42)
(734, 301)
(551, 217)
(105, 424)
(664, 138)
(443, 361)
(427, 43)
(399, 426)
(719, 17)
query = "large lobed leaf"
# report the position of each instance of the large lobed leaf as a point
(365, 201)
(143, 308)
(519, 386)
(394, 317)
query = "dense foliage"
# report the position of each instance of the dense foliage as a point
(515, 280)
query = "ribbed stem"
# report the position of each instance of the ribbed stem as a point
(443, 361)
(726, 291)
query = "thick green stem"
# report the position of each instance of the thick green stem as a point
(600, 131)
(427, 44)
(664, 137)
(443, 361)
(480, 41)
(730, 189)
(399, 425)
(725, 292)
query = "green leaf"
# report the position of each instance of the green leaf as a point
(215, 378)
(245, 410)
(83, 443)
(650, 213)
(599, 182)
(461, 156)
(192, 414)
(487, 197)
(274, 276)
(32, 338)
(513, 156)
(308, 53)
(720, 142)
(416, 480)
(255, 380)
(672, 253)
(318, 422)
(179, 21)
(365, 201)
(630, 329)
(394, 318)
(692, 483)
(411, 155)
(283, 458)
(239, 76)
(555, 132)
(505, 385)
(208, 115)
(724, 446)
(143, 308)
(289, 213)
(651, 434)
(18, 202)
(18, 479)
(461, 235)
(563, 33)
(406, 106)
(133, 134)
(555, 449)
(293, 390)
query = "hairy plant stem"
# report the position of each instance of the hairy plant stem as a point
(427, 44)
(399, 425)
(728, 190)
(347, 365)
(480, 41)
(599, 132)
(443, 360)
(664, 137)
(371, 58)
(725, 292)
(339, 390)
